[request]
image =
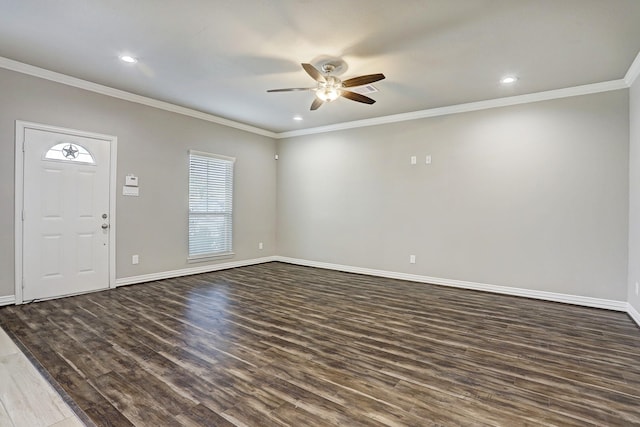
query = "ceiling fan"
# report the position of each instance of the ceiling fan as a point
(329, 87)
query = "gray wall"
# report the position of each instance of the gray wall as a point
(532, 196)
(634, 195)
(152, 144)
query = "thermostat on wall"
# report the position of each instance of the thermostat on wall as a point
(131, 181)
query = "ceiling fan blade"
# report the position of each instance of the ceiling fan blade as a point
(357, 97)
(291, 89)
(362, 80)
(317, 103)
(314, 73)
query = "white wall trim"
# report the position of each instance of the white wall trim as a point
(42, 73)
(633, 313)
(464, 108)
(189, 271)
(633, 72)
(527, 293)
(8, 300)
(31, 70)
(21, 126)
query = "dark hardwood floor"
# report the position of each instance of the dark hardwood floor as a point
(283, 345)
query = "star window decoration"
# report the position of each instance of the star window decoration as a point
(69, 152)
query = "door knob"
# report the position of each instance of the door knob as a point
(105, 226)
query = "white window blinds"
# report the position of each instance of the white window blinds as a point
(210, 205)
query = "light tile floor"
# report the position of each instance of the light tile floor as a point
(26, 398)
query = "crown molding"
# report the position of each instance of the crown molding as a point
(31, 70)
(624, 83)
(464, 108)
(633, 72)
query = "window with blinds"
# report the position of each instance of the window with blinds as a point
(210, 205)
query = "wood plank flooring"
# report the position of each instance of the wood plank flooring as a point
(282, 345)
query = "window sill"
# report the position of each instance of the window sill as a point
(204, 258)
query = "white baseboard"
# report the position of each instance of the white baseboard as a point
(8, 300)
(528, 293)
(189, 271)
(633, 313)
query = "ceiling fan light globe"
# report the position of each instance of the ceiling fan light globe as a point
(327, 94)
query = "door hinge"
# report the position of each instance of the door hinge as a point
(23, 215)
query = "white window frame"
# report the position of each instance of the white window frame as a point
(198, 211)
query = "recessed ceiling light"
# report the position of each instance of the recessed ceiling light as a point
(128, 59)
(297, 118)
(508, 80)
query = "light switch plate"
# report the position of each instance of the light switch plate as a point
(130, 191)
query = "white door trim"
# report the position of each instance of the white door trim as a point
(21, 126)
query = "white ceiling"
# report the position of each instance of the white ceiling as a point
(220, 56)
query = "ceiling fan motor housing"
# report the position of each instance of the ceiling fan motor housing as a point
(333, 66)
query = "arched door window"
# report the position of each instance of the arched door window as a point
(70, 152)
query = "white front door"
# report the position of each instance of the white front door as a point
(66, 214)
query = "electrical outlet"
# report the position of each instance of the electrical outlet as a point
(412, 259)
(260, 245)
(636, 288)
(135, 259)
(427, 160)
(414, 160)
